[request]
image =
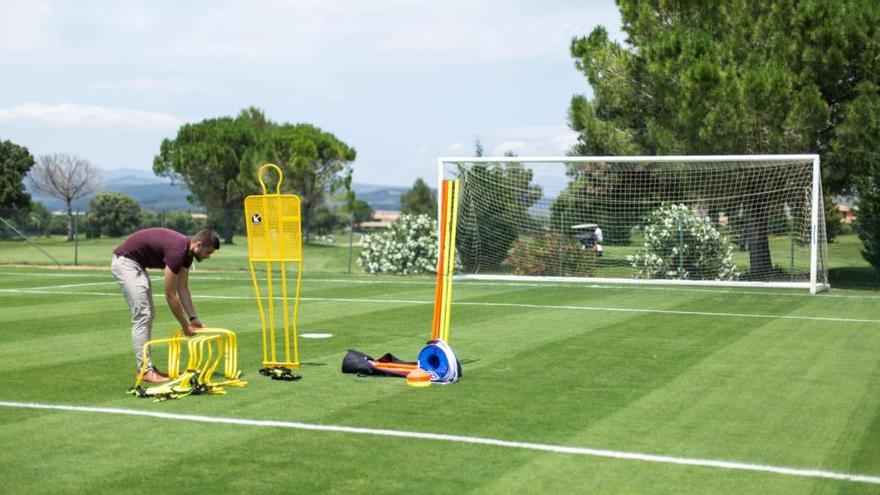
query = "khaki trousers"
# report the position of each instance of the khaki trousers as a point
(138, 291)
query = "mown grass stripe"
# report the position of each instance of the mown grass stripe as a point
(360, 280)
(499, 304)
(556, 449)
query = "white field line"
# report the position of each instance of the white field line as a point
(492, 304)
(556, 449)
(55, 274)
(539, 285)
(67, 286)
(673, 312)
(630, 287)
(536, 285)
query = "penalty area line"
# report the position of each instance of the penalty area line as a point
(556, 449)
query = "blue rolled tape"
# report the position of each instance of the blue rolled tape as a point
(433, 360)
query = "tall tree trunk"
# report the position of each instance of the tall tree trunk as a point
(228, 230)
(306, 207)
(305, 220)
(227, 220)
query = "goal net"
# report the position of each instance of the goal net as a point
(752, 220)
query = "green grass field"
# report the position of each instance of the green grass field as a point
(567, 388)
(847, 269)
(322, 258)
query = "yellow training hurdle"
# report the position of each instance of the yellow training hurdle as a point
(205, 351)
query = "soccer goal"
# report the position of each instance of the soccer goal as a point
(749, 220)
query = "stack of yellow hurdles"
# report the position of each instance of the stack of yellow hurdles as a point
(205, 350)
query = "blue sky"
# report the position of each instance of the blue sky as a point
(403, 82)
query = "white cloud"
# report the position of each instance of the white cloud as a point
(70, 115)
(523, 140)
(563, 142)
(532, 140)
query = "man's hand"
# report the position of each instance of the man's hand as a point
(189, 331)
(197, 323)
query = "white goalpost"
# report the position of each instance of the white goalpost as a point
(726, 220)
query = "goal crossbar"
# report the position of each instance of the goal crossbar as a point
(626, 159)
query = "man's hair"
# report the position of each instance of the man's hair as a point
(208, 238)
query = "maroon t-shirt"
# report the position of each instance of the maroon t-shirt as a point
(157, 248)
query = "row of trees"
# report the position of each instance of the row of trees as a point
(69, 178)
(110, 214)
(314, 169)
(217, 159)
(61, 176)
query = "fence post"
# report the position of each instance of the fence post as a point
(75, 237)
(791, 256)
(561, 240)
(350, 240)
(680, 246)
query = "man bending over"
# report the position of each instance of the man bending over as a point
(174, 253)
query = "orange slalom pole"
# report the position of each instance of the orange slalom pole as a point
(450, 263)
(394, 366)
(438, 292)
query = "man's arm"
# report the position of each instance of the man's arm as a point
(172, 285)
(186, 298)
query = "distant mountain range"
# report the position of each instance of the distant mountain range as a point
(380, 197)
(157, 193)
(152, 192)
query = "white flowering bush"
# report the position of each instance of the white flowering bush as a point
(681, 243)
(408, 247)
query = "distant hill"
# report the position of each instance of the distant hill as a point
(152, 192)
(158, 193)
(380, 197)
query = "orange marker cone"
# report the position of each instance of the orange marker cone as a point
(418, 378)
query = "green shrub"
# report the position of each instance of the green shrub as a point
(681, 243)
(548, 254)
(408, 247)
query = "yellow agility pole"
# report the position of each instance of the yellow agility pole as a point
(447, 231)
(450, 250)
(274, 234)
